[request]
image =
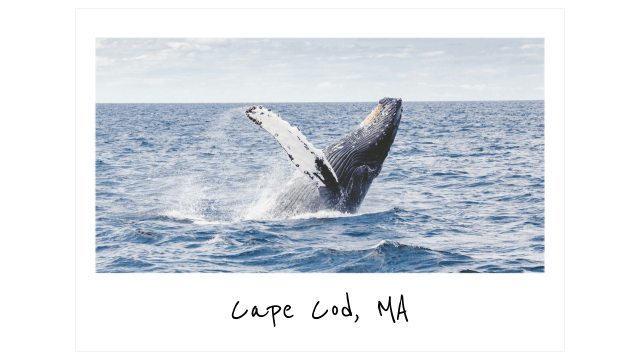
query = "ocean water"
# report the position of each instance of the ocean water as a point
(182, 188)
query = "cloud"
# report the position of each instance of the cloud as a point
(153, 81)
(505, 48)
(540, 88)
(398, 55)
(103, 61)
(326, 85)
(211, 40)
(433, 53)
(437, 85)
(136, 58)
(472, 87)
(202, 47)
(178, 45)
(345, 57)
(100, 44)
(530, 46)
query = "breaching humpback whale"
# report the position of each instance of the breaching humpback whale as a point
(339, 176)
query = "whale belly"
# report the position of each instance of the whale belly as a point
(299, 196)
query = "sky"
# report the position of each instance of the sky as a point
(217, 70)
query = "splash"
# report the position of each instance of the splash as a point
(224, 192)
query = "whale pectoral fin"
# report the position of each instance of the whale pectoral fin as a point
(307, 159)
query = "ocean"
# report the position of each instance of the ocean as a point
(182, 188)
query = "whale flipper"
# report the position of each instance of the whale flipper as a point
(308, 160)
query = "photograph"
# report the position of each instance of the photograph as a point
(320, 155)
(267, 177)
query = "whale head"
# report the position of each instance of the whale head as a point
(357, 158)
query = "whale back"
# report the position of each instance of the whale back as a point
(357, 158)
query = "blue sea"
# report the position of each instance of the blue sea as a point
(182, 188)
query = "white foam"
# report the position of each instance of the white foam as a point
(216, 239)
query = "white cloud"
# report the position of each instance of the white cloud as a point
(473, 87)
(100, 44)
(540, 88)
(154, 81)
(326, 85)
(345, 58)
(210, 40)
(103, 61)
(136, 58)
(437, 85)
(433, 53)
(530, 46)
(425, 74)
(505, 48)
(178, 45)
(398, 55)
(202, 47)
